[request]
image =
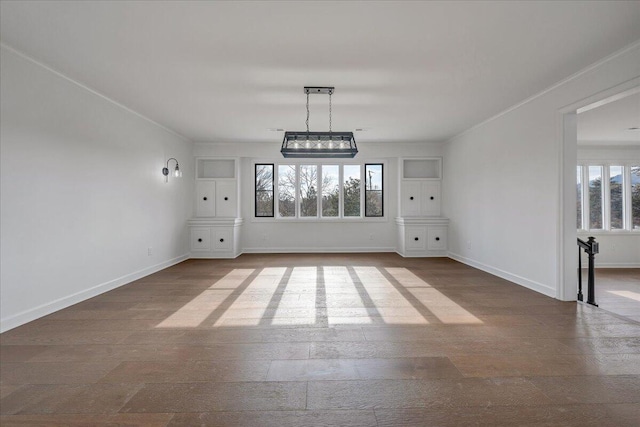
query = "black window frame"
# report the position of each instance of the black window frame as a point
(366, 180)
(256, 191)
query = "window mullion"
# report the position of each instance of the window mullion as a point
(626, 199)
(341, 191)
(606, 199)
(586, 207)
(276, 190)
(583, 218)
(298, 193)
(362, 191)
(319, 190)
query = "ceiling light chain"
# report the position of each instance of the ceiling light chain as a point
(307, 115)
(330, 93)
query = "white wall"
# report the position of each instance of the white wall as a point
(503, 182)
(82, 194)
(260, 235)
(618, 249)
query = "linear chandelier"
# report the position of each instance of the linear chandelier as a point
(301, 144)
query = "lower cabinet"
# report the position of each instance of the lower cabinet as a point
(215, 238)
(200, 239)
(422, 237)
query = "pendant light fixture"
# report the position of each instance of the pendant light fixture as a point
(301, 144)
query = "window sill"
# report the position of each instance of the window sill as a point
(608, 233)
(359, 220)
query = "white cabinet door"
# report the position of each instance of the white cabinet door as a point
(410, 193)
(200, 239)
(205, 198)
(431, 198)
(414, 238)
(437, 238)
(223, 239)
(226, 201)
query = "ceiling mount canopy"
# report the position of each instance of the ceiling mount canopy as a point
(306, 144)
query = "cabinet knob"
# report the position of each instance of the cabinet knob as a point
(416, 239)
(204, 198)
(199, 240)
(432, 197)
(411, 198)
(221, 240)
(226, 198)
(437, 238)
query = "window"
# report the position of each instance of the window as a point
(579, 199)
(308, 190)
(608, 197)
(287, 191)
(595, 197)
(635, 196)
(264, 190)
(373, 203)
(351, 190)
(616, 207)
(319, 191)
(330, 191)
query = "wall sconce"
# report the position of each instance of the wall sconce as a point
(176, 173)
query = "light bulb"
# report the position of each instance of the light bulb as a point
(177, 173)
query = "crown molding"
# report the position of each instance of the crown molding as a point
(26, 57)
(631, 47)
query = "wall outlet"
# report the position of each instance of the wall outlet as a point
(265, 237)
(149, 251)
(370, 236)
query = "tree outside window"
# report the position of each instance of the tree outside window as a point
(287, 190)
(351, 190)
(330, 191)
(264, 190)
(635, 197)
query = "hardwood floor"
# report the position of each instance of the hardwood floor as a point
(327, 340)
(618, 291)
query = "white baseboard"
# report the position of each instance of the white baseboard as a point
(615, 265)
(64, 302)
(535, 286)
(311, 250)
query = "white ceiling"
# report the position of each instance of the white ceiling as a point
(406, 71)
(610, 123)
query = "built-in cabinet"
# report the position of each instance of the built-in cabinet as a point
(215, 230)
(420, 198)
(217, 198)
(421, 229)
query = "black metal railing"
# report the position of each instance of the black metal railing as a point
(591, 248)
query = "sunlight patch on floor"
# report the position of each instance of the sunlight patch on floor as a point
(319, 296)
(393, 307)
(627, 294)
(251, 306)
(441, 306)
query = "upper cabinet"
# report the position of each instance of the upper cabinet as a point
(216, 187)
(420, 187)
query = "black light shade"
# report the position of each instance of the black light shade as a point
(304, 145)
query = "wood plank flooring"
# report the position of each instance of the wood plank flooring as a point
(618, 291)
(326, 340)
